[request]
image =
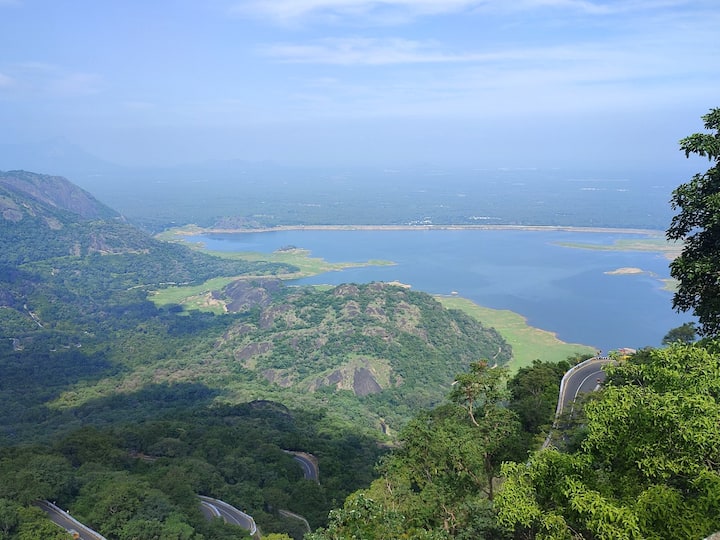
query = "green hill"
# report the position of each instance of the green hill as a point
(97, 374)
(70, 263)
(77, 324)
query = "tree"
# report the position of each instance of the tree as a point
(684, 334)
(697, 224)
(440, 482)
(534, 394)
(480, 388)
(648, 467)
(482, 392)
(35, 524)
(43, 477)
(363, 517)
(9, 517)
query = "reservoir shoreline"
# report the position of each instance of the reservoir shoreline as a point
(529, 270)
(194, 230)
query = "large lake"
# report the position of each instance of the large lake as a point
(564, 290)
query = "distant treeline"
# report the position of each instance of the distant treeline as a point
(266, 196)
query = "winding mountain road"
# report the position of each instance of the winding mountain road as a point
(308, 462)
(581, 379)
(212, 508)
(66, 521)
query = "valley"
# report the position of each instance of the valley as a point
(359, 270)
(94, 372)
(216, 365)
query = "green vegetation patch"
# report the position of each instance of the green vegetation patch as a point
(193, 296)
(307, 265)
(528, 343)
(291, 255)
(199, 296)
(655, 243)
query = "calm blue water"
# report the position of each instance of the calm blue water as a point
(559, 289)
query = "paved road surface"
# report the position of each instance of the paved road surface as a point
(212, 508)
(309, 468)
(581, 379)
(293, 515)
(67, 522)
(308, 462)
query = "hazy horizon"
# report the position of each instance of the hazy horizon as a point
(467, 83)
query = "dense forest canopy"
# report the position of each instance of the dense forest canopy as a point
(125, 411)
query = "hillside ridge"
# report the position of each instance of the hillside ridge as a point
(46, 194)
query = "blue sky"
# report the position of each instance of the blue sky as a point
(478, 83)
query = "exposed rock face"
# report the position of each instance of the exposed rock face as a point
(346, 290)
(48, 216)
(351, 309)
(274, 313)
(10, 210)
(49, 194)
(278, 376)
(252, 349)
(244, 294)
(359, 379)
(364, 383)
(366, 339)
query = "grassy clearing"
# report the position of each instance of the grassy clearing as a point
(301, 258)
(199, 296)
(528, 343)
(307, 265)
(657, 244)
(192, 296)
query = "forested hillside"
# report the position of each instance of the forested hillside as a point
(142, 480)
(108, 396)
(125, 410)
(69, 263)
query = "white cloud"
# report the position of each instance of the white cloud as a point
(404, 10)
(371, 51)
(592, 76)
(37, 66)
(594, 56)
(292, 9)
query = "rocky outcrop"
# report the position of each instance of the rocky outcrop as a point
(364, 339)
(243, 294)
(44, 195)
